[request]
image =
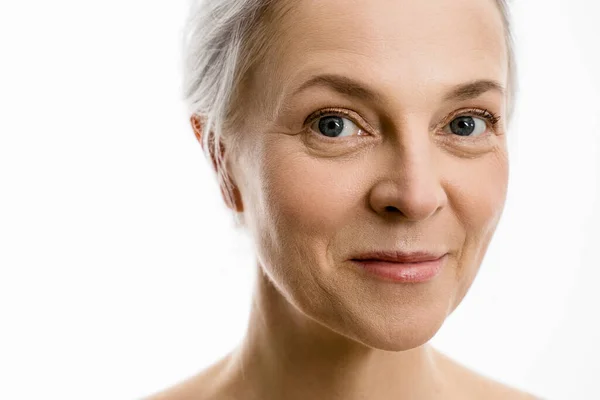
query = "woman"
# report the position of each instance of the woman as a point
(362, 145)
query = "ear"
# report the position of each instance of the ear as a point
(197, 126)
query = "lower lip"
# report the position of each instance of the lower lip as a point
(403, 272)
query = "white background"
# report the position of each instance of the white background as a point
(121, 273)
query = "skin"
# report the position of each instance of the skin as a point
(319, 328)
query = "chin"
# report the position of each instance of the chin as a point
(403, 338)
(391, 316)
(401, 333)
(402, 322)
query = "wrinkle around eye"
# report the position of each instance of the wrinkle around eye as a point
(295, 110)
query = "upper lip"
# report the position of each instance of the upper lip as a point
(400, 256)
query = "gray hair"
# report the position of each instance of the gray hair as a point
(222, 41)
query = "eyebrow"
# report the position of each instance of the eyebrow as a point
(340, 84)
(349, 87)
(473, 89)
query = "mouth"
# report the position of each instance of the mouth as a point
(402, 267)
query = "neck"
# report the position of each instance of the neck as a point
(286, 354)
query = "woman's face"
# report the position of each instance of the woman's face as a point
(382, 168)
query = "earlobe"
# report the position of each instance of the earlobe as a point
(198, 127)
(236, 197)
(231, 195)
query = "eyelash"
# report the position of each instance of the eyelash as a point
(489, 116)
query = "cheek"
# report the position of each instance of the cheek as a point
(314, 196)
(478, 196)
(480, 193)
(299, 204)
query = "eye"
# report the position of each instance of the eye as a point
(335, 126)
(473, 122)
(467, 125)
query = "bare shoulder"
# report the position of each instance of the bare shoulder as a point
(201, 386)
(194, 387)
(496, 390)
(470, 384)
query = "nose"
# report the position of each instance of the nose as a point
(410, 185)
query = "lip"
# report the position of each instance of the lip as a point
(399, 256)
(412, 267)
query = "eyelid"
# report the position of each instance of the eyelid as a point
(491, 118)
(352, 115)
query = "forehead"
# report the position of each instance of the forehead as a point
(398, 46)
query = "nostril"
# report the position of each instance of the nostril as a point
(391, 209)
